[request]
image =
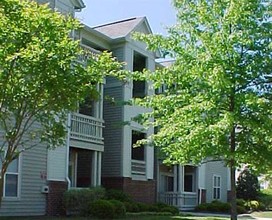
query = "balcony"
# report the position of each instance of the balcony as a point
(182, 200)
(86, 128)
(138, 168)
(87, 52)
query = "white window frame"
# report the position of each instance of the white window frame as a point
(217, 187)
(18, 173)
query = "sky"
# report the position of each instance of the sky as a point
(160, 13)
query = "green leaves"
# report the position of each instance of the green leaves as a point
(219, 81)
(40, 76)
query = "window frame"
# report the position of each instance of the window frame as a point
(217, 183)
(18, 173)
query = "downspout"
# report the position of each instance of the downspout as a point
(68, 150)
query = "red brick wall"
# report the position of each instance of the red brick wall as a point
(141, 191)
(55, 205)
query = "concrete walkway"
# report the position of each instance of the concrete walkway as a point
(241, 216)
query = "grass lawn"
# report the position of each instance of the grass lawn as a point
(140, 217)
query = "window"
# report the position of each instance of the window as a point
(216, 187)
(137, 152)
(139, 86)
(11, 180)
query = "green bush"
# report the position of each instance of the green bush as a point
(247, 186)
(240, 202)
(253, 205)
(119, 208)
(172, 209)
(241, 209)
(131, 207)
(214, 206)
(118, 195)
(102, 209)
(77, 201)
(163, 207)
(265, 197)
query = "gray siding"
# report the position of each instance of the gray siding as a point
(31, 201)
(111, 164)
(216, 168)
(51, 2)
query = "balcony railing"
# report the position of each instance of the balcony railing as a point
(87, 52)
(138, 168)
(182, 200)
(86, 128)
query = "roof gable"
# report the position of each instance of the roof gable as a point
(123, 28)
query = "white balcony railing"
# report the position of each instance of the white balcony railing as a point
(86, 128)
(182, 200)
(138, 167)
(87, 52)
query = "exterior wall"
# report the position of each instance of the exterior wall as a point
(32, 177)
(216, 168)
(113, 129)
(141, 191)
(56, 164)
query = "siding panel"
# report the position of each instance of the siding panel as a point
(111, 164)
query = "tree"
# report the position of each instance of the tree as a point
(247, 185)
(40, 78)
(218, 99)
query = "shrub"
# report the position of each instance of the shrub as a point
(77, 201)
(119, 208)
(214, 206)
(265, 197)
(240, 202)
(253, 205)
(241, 209)
(102, 209)
(172, 209)
(131, 207)
(247, 185)
(118, 195)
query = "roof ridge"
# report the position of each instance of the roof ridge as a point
(116, 22)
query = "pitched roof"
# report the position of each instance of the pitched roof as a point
(120, 28)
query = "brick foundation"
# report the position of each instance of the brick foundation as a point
(203, 196)
(55, 205)
(140, 191)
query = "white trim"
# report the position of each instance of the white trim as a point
(216, 186)
(18, 173)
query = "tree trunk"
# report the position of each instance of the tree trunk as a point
(2, 175)
(233, 204)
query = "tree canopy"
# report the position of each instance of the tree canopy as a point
(217, 101)
(220, 79)
(41, 79)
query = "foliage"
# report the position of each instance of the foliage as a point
(132, 207)
(77, 201)
(40, 78)
(102, 209)
(119, 208)
(118, 195)
(247, 185)
(265, 198)
(214, 206)
(217, 98)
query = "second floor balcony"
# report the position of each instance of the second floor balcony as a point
(86, 128)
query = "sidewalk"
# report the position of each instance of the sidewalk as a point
(241, 216)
